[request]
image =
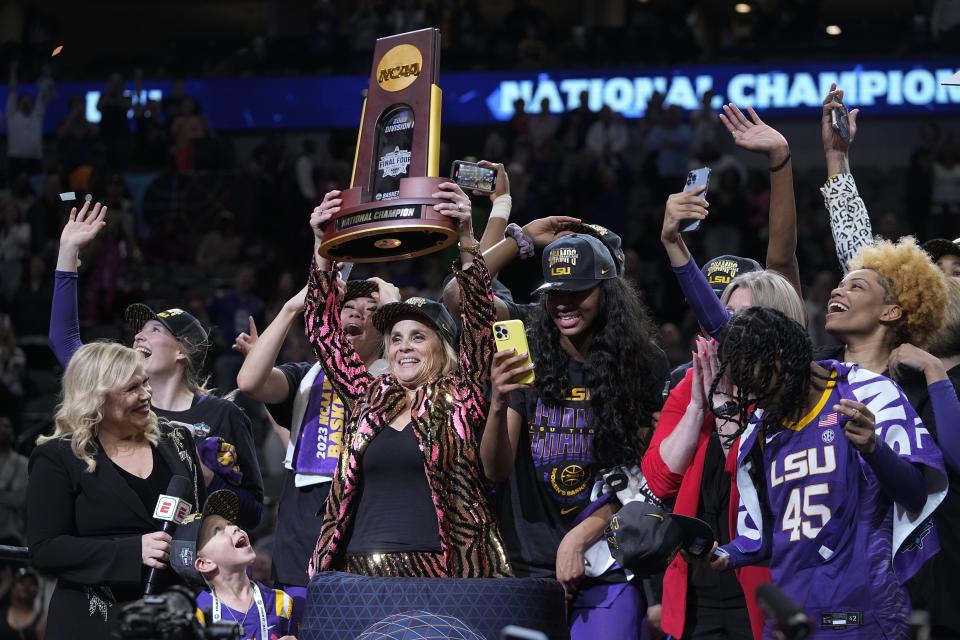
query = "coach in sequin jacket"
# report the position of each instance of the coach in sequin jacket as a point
(448, 416)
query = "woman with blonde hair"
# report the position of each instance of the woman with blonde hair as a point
(94, 484)
(407, 498)
(174, 345)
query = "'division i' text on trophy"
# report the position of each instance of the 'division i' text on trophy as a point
(387, 213)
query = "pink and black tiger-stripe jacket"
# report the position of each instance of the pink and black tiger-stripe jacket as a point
(448, 413)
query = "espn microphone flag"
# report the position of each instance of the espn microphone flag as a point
(172, 507)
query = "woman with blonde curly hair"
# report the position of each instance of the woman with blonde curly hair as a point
(94, 484)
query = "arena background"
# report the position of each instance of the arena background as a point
(280, 84)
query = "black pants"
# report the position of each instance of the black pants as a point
(705, 621)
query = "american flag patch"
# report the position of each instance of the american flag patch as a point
(829, 420)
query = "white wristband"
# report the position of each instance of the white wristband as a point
(501, 207)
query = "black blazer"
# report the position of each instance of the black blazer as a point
(85, 530)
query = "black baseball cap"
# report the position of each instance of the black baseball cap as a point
(939, 247)
(723, 269)
(181, 324)
(576, 263)
(610, 240)
(643, 538)
(359, 289)
(183, 547)
(433, 312)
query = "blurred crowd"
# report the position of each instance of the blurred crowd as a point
(336, 36)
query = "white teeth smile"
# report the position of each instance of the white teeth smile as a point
(837, 307)
(146, 352)
(407, 361)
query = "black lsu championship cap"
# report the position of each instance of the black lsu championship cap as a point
(186, 539)
(610, 240)
(939, 247)
(643, 538)
(576, 263)
(177, 321)
(433, 312)
(722, 270)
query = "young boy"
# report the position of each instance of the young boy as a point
(210, 548)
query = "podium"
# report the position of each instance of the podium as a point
(341, 606)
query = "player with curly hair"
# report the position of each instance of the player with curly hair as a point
(599, 379)
(837, 476)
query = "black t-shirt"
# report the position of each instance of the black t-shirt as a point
(148, 489)
(300, 510)
(553, 473)
(396, 511)
(212, 416)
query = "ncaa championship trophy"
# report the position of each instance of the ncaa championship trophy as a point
(387, 213)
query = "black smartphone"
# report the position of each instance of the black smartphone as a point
(472, 177)
(695, 179)
(840, 121)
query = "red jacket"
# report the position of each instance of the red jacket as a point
(685, 489)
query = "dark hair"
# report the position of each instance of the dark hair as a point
(618, 371)
(766, 356)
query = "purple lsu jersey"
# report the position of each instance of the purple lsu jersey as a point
(831, 534)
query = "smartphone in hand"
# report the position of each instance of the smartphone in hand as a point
(473, 177)
(840, 121)
(696, 179)
(511, 334)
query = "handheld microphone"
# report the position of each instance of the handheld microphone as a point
(788, 618)
(172, 508)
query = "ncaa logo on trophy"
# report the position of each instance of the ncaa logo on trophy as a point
(387, 213)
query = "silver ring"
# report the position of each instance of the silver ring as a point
(459, 206)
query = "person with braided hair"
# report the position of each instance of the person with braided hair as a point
(836, 474)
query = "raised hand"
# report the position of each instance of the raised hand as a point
(323, 212)
(245, 341)
(543, 231)
(83, 226)
(753, 134)
(830, 138)
(681, 208)
(456, 206)
(386, 292)
(503, 181)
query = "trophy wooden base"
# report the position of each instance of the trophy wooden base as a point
(403, 227)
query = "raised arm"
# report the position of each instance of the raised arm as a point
(754, 135)
(81, 228)
(477, 312)
(849, 220)
(682, 207)
(341, 363)
(540, 232)
(502, 204)
(258, 377)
